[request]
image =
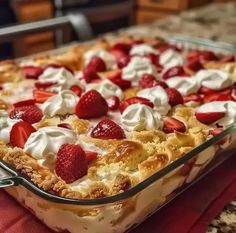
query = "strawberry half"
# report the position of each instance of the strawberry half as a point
(209, 117)
(174, 71)
(71, 163)
(96, 64)
(91, 156)
(20, 132)
(194, 65)
(174, 96)
(135, 100)
(30, 113)
(91, 105)
(76, 89)
(148, 81)
(89, 74)
(217, 97)
(124, 47)
(32, 72)
(113, 103)
(41, 96)
(193, 97)
(24, 103)
(107, 129)
(172, 124)
(117, 79)
(202, 56)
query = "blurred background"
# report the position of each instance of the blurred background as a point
(85, 19)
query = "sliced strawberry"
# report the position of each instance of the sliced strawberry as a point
(194, 65)
(193, 97)
(135, 100)
(24, 103)
(228, 58)
(202, 56)
(123, 61)
(122, 57)
(124, 47)
(172, 124)
(41, 96)
(113, 103)
(209, 117)
(217, 131)
(89, 74)
(64, 125)
(107, 129)
(41, 85)
(217, 97)
(206, 91)
(155, 61)
(20, 133)
(76, 89)
(71, 163)
(117, 79)
(174, 71)
(30, 113)
(96, 64)
(91, 105)
(91, 156)
(148, 81)
(174, 96)
(32, 72)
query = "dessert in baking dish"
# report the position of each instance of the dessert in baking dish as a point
(97, 120)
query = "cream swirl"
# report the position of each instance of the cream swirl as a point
(107, 57)
(170, 58)
(138, 117)
(106, 88)
(185, 86)
(62, 78)
(142, 49)
(158, 96)
(136, 68)
(6, 125)
(214, 79)
(61, 104)
(45, 143)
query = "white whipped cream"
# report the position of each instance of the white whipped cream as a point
(138, 117)
(142, 49)
(107, 57)
(61, 104)
(45, 143)
(63, 78)
(158, 96)
(6, 125)
(136, 68)
(213, 79)
(185, 86)
(106, 88)
(171, 58)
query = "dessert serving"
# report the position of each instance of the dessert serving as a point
(98, 120)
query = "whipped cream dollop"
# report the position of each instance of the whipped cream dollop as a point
(45, 143)
(62, 78)
(185, 86)
(138, 117)
(142, 49)
(158, 96)
(214, 79)
(6, 125)
(227, 107)
(61, 104)
(106, 88)
(107, 57)
(170, 58)
(136, 68)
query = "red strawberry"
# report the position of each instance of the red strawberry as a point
(107, 129)
(71, 163)
(24, 103)
(148, 81)
(113, 103)
(41, 96)
(174, 71)
(174, 96)
(193, 97)
(206, 91)
(229, 58)
(64, 125)
(194, 65)
(217, 97)
(135, 100)
(116, 79)
(91, 105)
(91, 156)
(32, 72)
(96, 64)
(30, 113)
(122, 47)
(77, 90)
(89, 74)
(172, 124)
(41, 85)
(209, 117)
(123, 61)
(155, 61)
(20, 133)
(217, 131)
(202, 56)
(137, 42)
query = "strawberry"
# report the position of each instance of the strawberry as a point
(91, 156)
(41, 85)
(123, 61)
(174, 96)
(194, 65)
(209, 117)
(155, 61)
(32, 72)
(89, 74)
(174, 71)
(20, 133)
(121, 55)
(71, 163)
(135, 100)
(107, 129)
(41, 96)
(30, 113)
(217, 131)
(137, 42)
(228, 58)
(76, 89)
(193, 97)
(113, 103)
(206, 91)
(117, 79)
(202, 56)
(168, 46)
(217, 97)
(24, 103)
(64, 125)
(96, 64)
(148, 81)
(172, 124)
(91, 105)
(124, 47)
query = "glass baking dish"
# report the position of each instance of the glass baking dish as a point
(123, 211)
